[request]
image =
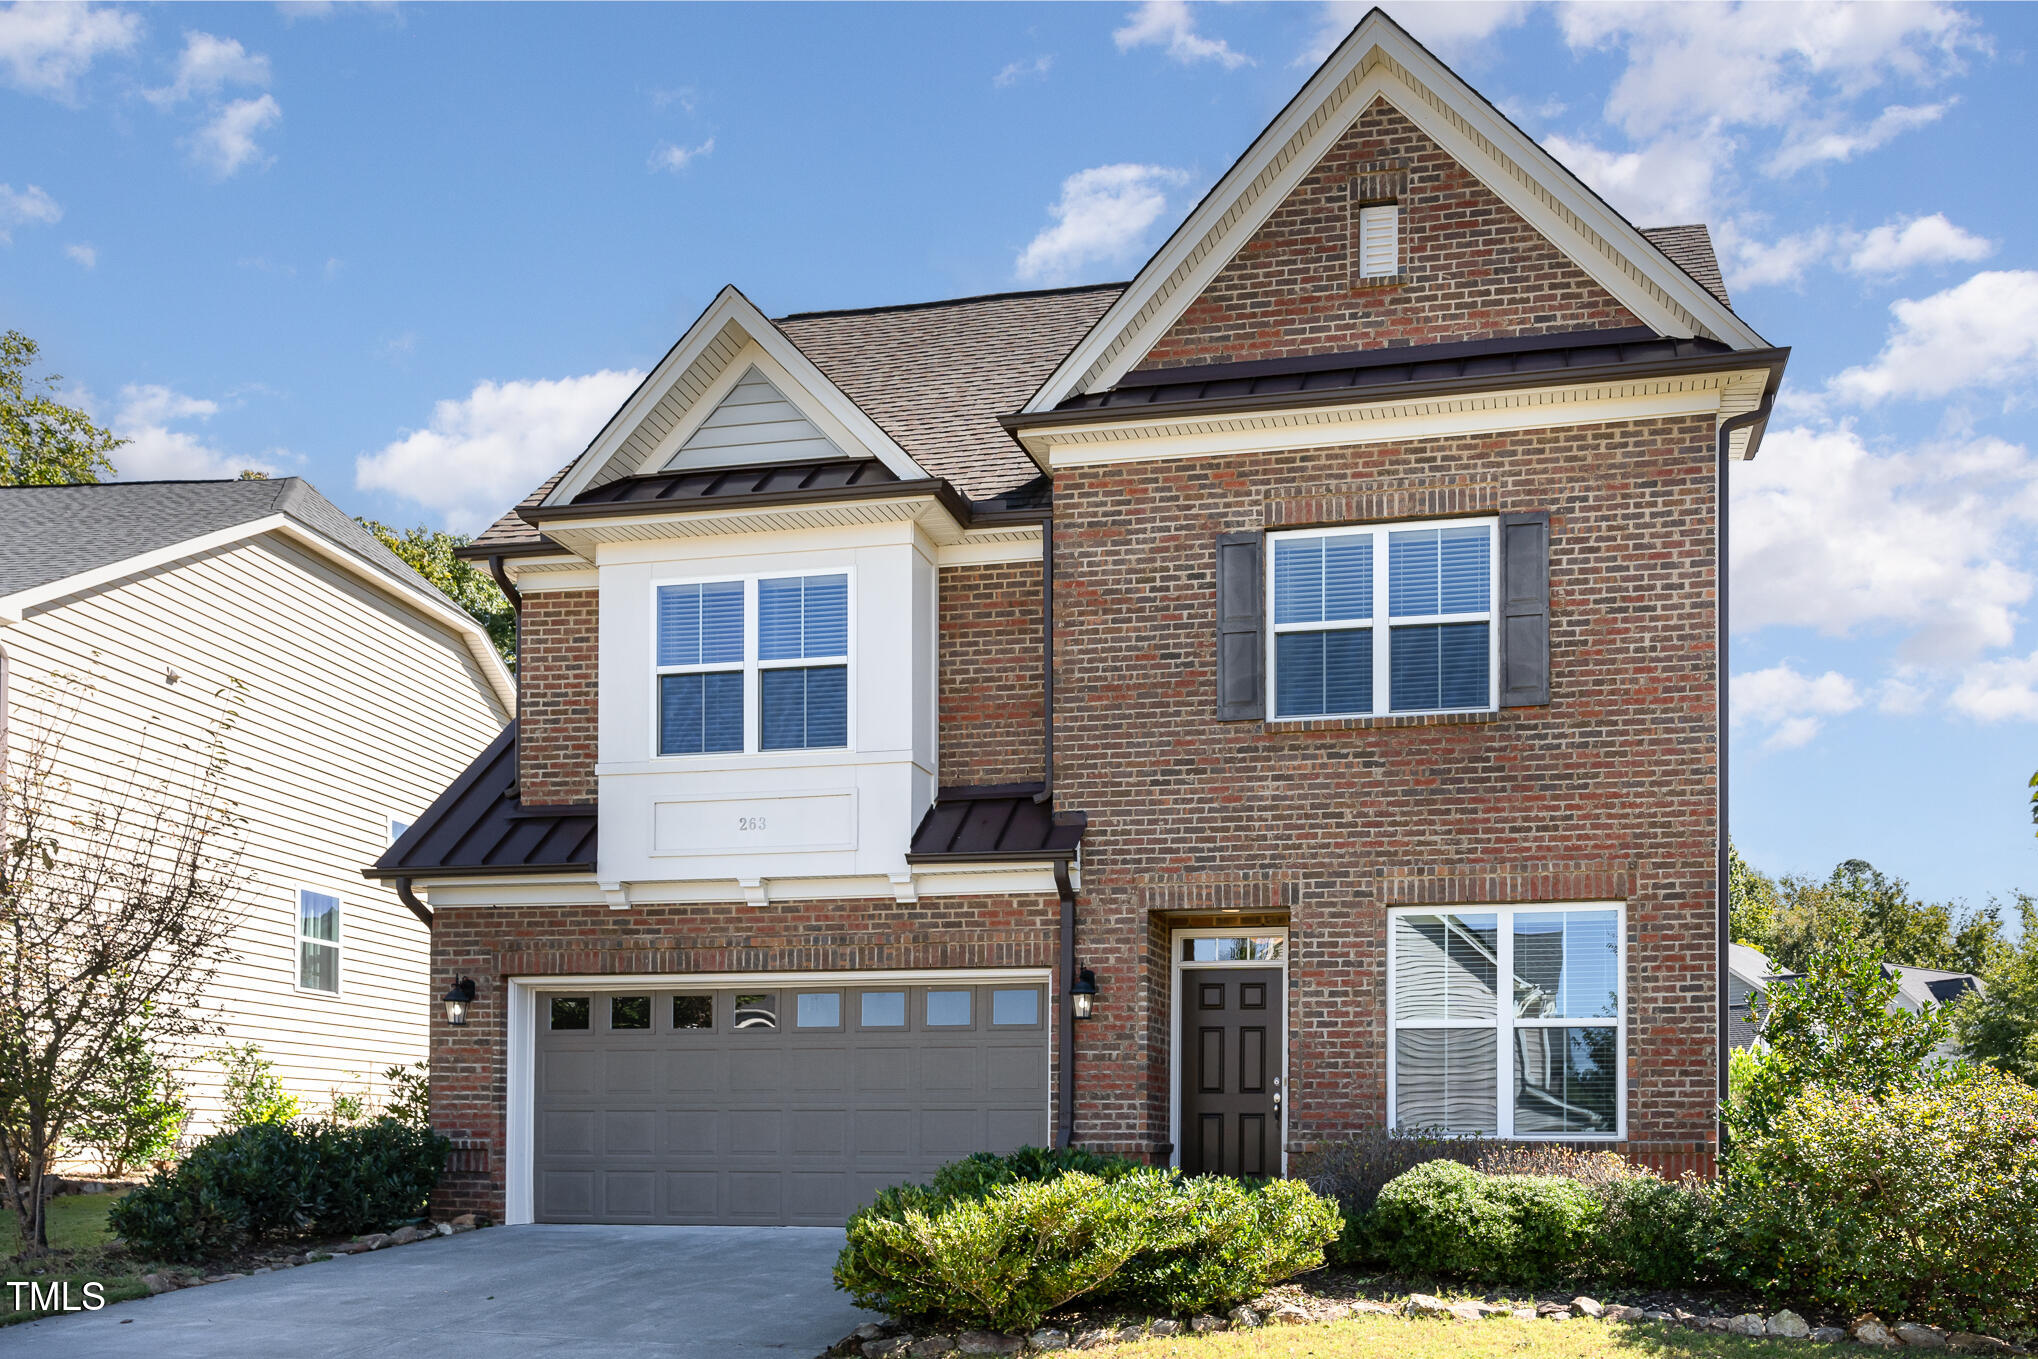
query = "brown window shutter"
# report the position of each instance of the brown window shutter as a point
(1525, 610)
(1241, 645)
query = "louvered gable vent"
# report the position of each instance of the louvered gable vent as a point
(1380, 240)
(753, 424)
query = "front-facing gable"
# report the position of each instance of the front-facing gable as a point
(1380, 84)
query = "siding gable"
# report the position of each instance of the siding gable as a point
(1471, 267)
(754, 423)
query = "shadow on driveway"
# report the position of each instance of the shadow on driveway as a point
(690, 1292)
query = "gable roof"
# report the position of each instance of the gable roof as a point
(56, 540)
(1690, 249)
(1379, 59)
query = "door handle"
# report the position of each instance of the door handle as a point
(1277, 1097)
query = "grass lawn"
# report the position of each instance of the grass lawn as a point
(1413, 1338)
(78, 1240)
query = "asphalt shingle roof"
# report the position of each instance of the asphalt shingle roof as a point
(1690, 249)
(51, 533)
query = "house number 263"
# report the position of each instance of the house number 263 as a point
(749, 823)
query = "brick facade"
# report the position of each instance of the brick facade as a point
(1606, 794)
(1472, 268)
(990, 674)
(558, 669)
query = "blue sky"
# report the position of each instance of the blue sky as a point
(418, 253)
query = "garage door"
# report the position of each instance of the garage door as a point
(787, 1105)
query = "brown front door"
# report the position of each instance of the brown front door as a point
(1230, 1053)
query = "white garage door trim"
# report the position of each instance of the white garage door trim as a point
(519, 1129)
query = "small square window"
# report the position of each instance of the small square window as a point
(1015, 1007)
(629, 1012)
(884, 1009)
(570, 1012)
(818, 1010)
(757, 1011)
(948, 1009)
(693, 1012)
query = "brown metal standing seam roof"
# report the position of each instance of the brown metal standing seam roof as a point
(477, 826)
(996, 821)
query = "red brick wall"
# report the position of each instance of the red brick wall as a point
(1605, 794)
(1472, 267)
(492, 944)
(556, 674)
(990, 674)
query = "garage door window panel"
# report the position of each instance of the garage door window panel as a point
(630, 1012)
(881, 1010)
(1015, 1007)
(755, 1012)
(693, 1012)
(818, 1010)
(950, 1009)
(570, 1012)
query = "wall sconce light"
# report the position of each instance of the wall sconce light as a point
(457, 1000)
(1084, 993)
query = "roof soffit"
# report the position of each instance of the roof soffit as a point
(1380, 60)
(692, 378)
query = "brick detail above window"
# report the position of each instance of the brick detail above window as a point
(1287, 507)
(1379, 181)
(1472, 884)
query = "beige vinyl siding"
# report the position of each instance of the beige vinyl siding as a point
(358, 708)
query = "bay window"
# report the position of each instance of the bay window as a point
(1383, 619)
(737, 664)
(1506, 1021)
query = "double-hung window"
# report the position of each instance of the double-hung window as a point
(1383, 619)
(1506, 1021)
(753, 665)
(318, 941)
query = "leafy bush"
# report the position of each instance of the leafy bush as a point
(979, 1173)
(410, 1094)
(1656, 1232)
(1447, 1218)
(1006, 1256)
(281, 1180)
(253, 1094)
(1917, 1203)
(135, 1108)
(1352, 1170)
(1543, 1158)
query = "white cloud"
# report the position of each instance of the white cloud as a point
(226, 145)
(1792, 705)
(1453, 29)
(483, 452)
(1016, 71)
(1751, 263)
(676, 158)
(1666, 182)
(83, 254)
(2001, 690)
(1167, 24)
(1910, 242)
(1831, 535)
(1982, 333)
(29, 207)
(157, 452)
(1102, 216)
(1812, 146)
(45, 48)
(207, 65)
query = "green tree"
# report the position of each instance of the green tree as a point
(1751, 901)
(253, 1093)
(135, 1110)
(1999, 1025)
(1838, 1025)
(1796, 918)
(429, 552)
(43, 442)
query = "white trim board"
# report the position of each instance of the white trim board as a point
(1176, 967)
(1379, 59)
(981, 878)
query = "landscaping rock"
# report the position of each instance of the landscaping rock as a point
(403, 1236)
(465, 1223)
(1545, 1309)
(443, 1228)
(157, 1283)
(1524, 1314)
(1828, 1335)
(1970, 1343)
(1587, 1307)
(1367, 1307)
(930, 1347)
(1089, 1340)
(1717, 1323)
(989, 1342)
(1165, 1326)
(1556, 1316)
(1869, 1330)
(1748, 1323)
(1622, 1312)
(1426, 1305)
(1788, 1325)
(877, 1349)
(1658, 1316)
(1919, 1335)
(373, 1241)
(1205, 1324)
(1288, 1314)
(1468, 1311)
(1244, 1318)
(869, 1330)
(1048, 1338)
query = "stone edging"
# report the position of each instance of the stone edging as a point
(169, 1281)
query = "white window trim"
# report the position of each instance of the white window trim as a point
(1176, 967)
(298, 940)
(1504, 1022)
(751, 666)
(1381, 622)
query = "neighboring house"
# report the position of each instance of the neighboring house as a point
(366, 691)
(1377, 782)
(1750, 976)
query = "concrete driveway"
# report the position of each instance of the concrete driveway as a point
(688, 1292)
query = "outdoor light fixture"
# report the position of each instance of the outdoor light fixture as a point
(457, 1000)
(1084, 993)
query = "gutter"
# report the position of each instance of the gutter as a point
(1046, 793)
(516, 600)
(1065, 1094)
(951, 500)
(410, 899)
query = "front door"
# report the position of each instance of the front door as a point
(1230, 1050)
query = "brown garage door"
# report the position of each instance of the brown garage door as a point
(792, 1104)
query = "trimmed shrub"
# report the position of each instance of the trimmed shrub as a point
(270, 1180)
(979, 1173)
(1917, 1203)
(1006, 1257)
(1447, 1218)
(1655, 1232)
(1353, 1170)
